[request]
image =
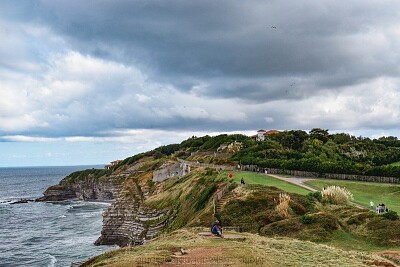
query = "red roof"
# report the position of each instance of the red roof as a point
(271, 132)
(261, 130)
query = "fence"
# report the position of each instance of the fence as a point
(336, 176)
(206, 165)
(211, 153)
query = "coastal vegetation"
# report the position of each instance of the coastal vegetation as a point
(364, 192)
(321, 152)
(265, 210)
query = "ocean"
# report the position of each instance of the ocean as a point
(45, 234)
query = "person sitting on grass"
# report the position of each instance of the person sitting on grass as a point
(216, 229)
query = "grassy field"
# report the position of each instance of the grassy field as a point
(256, 178)
(363, 192)
(254, 250)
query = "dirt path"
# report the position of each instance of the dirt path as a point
(295, 180)
(300, 182)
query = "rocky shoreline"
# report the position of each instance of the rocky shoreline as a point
(127, 221)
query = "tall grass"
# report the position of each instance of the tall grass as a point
(283, 206)
(336, 195)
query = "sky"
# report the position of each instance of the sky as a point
(88, 82)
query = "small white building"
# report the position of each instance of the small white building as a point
(261, 134)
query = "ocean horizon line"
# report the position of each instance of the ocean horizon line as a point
(53, 166)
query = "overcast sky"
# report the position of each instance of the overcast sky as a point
(85, 82)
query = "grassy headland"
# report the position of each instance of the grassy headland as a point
(363, 192)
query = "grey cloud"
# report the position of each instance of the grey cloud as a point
(226, 53)
(182, 40)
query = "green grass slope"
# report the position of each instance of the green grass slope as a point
(389, 194)
(257, 178)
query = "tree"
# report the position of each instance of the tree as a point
(320, 134)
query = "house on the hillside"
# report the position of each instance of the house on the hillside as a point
(112, 164)
(261, 134)
(222, 147)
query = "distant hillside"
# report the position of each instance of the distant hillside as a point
(316, 151)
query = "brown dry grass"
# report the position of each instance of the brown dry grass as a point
(283, 205)
(254, 251)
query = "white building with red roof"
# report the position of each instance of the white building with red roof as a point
(261, 134)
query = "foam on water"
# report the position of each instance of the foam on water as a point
(53, 261)
(45, 234)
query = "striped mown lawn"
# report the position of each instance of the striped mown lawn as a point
(257, 178)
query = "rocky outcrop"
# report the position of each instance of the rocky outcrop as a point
(57, 193)
(128, 224)
(127, 221)
(170, 170)
(90, 188)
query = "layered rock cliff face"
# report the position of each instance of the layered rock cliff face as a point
(89, 188)
(127, 221)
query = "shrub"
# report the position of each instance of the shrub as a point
(360, 218)
(306, 219)
(210, 172)
(283, 206)
(391, 215)
(316, 195)
(336, 195)
(297, 208)
(232, 186)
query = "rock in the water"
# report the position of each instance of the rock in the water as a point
(21, 201)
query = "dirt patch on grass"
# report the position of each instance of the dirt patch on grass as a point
(391, 255)
(201, 256)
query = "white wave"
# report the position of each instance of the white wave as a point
(53, 261)
(62, 216)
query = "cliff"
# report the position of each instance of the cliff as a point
(90, 187)
(128, 220)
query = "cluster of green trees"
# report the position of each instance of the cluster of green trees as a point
(319, 151)
(315, 151)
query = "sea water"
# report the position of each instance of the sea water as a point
(45, 234)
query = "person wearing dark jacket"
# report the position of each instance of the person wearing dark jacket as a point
(216, 228)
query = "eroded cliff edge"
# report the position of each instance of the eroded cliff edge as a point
(88, 185)
(129, 219)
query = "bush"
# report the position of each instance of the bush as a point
(391, 215)
(210, 172)
(232, 186)
(306, 219)
(297, 208)
(360, 218)
(336, 195)
(317, 195)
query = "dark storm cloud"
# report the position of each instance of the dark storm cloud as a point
(201, 40)
(88, 67)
